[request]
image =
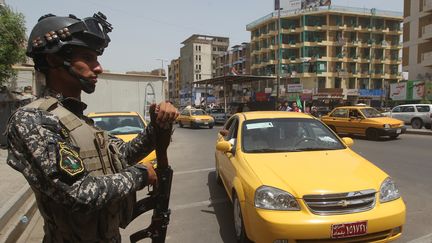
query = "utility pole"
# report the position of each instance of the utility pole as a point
(278, 68)
(162, 62)
(164, 81)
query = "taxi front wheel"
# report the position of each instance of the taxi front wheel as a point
(240, 231)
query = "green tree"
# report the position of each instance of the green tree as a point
(12, 42)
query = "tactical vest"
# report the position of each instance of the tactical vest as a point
(99, 158)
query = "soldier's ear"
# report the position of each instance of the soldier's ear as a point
(54, 60)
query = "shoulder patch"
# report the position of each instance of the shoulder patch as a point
(70, 162)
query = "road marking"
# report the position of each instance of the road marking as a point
(193, 171)
(423, 239)
(207, 203)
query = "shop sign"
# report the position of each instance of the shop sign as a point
(428, 90)
(371, 92)
(398, 91)
(307, 91)
(418, 90)
(295, 88)
(352, 92)
(260, 96)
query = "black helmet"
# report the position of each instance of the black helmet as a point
(52, 33)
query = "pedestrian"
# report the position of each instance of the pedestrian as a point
(287, 107)
(314, 111)
(82, 177)
(295, 108)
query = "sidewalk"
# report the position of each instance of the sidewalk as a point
(423, 131)
(11, 181)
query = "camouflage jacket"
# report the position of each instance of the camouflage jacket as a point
(34, 137)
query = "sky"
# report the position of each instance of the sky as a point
(148, 33)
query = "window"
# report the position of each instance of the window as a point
(231, 128)
(185, 113)
(337, 83)
(397, 109)
(353, 113)
(408, 109)
(352, 83)
(423, 108)
(342, 113)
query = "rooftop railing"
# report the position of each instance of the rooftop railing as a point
(334, 8)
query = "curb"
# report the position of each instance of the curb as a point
(419, 132)
(13, 205)
(16, 213)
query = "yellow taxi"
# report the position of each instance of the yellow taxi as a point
(292, 179)
(364, 121)
(195, 118)
(124, 125)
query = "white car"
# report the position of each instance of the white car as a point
(418, 115)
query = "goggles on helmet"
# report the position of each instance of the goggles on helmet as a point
(91, 32)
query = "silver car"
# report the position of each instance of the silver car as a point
(418, 115)
(218, 115)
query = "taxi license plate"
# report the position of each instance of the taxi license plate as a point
(348, 229)
(398, 130)
(205, 123)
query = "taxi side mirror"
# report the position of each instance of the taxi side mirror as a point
(224, 146)
(348, 141)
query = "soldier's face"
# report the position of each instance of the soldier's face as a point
(85, 63)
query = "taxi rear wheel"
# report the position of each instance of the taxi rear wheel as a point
(180, 124)
(238, 222)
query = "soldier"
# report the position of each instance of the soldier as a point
(83, 178)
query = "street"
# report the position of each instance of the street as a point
(201, 211)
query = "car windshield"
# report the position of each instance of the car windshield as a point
(197, 112)
(287, 135)
(217, 111)
(371, 113)
(119, 125)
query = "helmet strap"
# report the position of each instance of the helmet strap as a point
(86, 84)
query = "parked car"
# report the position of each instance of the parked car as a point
(418, 115)
(218, 115)
(124, 125)
(195, 118)
(292, 179)
(364, 121)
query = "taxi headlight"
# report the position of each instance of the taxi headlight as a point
(387, 126)
(275, 199)
(388, 191)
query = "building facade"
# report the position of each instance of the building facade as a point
(174, 81)
(197, 62)
(417, 38)
(236, 61)
(333, 52)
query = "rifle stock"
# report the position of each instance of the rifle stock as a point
(159, 196)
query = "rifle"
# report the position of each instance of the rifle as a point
(159, 195)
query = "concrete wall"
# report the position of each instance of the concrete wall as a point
(120, 92)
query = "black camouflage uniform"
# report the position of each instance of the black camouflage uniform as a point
(76, 203)
(34, 137)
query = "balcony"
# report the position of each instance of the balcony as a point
(426, 59)
(427, 32)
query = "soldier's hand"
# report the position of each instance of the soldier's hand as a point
(151, 174)
(166, 115)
